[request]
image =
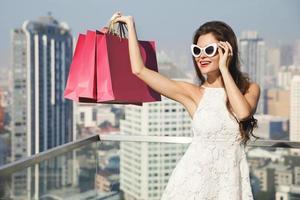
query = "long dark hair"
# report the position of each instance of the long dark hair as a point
(224, 32)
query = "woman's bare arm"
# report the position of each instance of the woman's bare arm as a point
(180, 91)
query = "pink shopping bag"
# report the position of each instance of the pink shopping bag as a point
(74, 71)
(95, 75)
(115, 81)
(81, 82)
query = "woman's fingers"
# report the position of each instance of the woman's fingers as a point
(124, 19)
(119, 19)
(116, 14)
(225, 47)
(220, 50)
(230, 48)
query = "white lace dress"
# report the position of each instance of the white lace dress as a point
(214, 167)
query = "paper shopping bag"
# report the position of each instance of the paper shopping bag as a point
(115, 81)
(87, 79)
(75, 70)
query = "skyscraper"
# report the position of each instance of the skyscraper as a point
(273, 66)
(42, 118)
(286, 55)
(295, 112)
(2, 109)
(145, 167)
(296, 55)
(253, 60)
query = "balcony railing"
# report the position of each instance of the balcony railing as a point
(32, 165)
(37, 158)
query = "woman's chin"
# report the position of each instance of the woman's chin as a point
(204, 70)
(207, 70)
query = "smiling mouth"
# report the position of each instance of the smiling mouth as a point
(204, 63)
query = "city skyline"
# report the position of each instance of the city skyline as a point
(134, 169)
(178, 24)
(36, 117)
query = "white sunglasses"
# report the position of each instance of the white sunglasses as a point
(209, 50)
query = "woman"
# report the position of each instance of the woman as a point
(221, 107)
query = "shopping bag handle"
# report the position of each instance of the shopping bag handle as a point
(120, 31)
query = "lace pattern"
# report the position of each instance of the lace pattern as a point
(214, 167)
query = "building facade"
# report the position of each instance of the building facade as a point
(41, 117)
(295, 112)
(145, 167)
(253, 61)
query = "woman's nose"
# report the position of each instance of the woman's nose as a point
(202, 55)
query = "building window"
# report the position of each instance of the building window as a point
(94, 114)
(82, 117)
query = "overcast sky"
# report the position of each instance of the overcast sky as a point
(170, 23)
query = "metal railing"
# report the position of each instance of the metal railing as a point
(37, 158)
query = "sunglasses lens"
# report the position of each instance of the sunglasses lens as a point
(210, 50)
(196, 50)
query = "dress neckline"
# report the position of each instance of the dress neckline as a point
(212, 87)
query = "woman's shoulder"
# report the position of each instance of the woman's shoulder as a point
(253, 90)
(252, 83)
(194, 89)
(253, 86)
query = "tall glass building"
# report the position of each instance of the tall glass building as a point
(253, 59)
(41, 117)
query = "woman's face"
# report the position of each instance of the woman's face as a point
(207, 64)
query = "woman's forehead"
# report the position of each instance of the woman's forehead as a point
(206, 39)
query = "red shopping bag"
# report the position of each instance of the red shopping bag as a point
(81, 83)
(115, 81)
(86, 87)
(100, 71)
(74, 71)
(82, 77)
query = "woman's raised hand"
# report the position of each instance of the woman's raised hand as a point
(118, 17)
(226, 57)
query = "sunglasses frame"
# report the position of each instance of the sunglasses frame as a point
(215, 46)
